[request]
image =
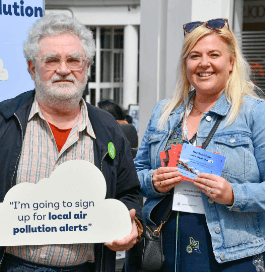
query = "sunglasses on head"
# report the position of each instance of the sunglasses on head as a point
(213, 24)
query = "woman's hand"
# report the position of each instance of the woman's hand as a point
(165, 178)
(217, 188)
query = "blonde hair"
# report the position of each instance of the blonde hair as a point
(238, 84)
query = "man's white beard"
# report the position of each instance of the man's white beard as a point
(61, 96)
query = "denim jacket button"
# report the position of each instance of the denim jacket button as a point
(210, 201)
(232, 140)
(222, 257)
(208, 118)
(217, 230)
(150, 137)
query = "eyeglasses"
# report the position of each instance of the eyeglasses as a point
(214, 24)
(54, 63)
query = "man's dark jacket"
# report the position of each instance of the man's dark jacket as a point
(120, 174)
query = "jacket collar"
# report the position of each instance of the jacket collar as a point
(10, 106)
(221, 107)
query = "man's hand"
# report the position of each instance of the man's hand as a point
(127, 242)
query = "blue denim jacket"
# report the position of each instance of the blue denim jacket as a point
(237, 231)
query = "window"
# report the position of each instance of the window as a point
(250, 33)
(106, 74)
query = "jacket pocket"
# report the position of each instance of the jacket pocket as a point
(155, 137)
(239, 228)
(236, 149)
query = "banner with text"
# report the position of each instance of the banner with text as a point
(16, 17)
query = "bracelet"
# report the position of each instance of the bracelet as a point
(139, 228)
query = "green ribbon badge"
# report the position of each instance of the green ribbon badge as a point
(111, 150)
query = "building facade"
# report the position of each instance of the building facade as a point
(115, 25)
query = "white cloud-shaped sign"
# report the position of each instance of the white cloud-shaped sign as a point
(69, 207)
(3, 72)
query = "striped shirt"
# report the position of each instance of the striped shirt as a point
(39, 158)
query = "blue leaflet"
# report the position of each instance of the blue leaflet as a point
(194, 160)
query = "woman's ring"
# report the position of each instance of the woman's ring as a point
(209, 191)
(161, 184)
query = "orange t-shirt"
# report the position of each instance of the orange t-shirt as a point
(60, 135)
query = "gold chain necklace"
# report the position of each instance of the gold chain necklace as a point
(200, 112)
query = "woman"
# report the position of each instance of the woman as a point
(228, 234)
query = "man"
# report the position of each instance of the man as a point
(43, 128)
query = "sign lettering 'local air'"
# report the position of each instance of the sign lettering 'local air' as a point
(16, 17)
(69, 207)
